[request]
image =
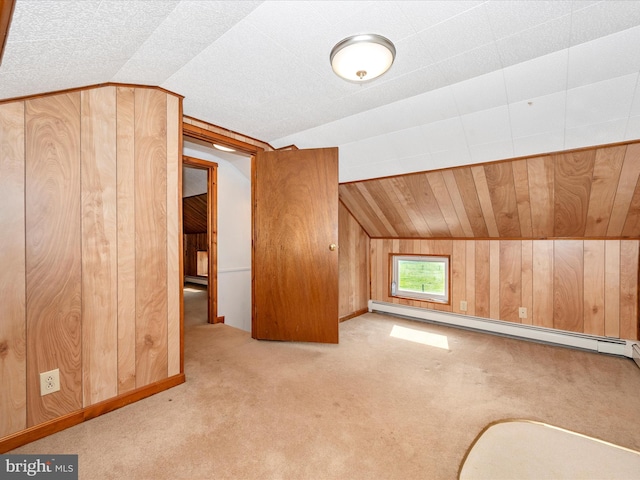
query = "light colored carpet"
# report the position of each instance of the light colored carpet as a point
(376, 406)
(533, 451)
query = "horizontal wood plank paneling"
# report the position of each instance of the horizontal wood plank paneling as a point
(551, 278)
(13, 359)
(590, 193)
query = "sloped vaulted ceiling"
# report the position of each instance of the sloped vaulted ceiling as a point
(473, 81)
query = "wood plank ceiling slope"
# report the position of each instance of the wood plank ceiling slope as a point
(473, 81)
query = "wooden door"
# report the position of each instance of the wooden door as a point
(295, 258)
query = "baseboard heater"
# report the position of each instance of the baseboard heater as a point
(608, 345)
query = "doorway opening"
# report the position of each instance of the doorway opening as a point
(199, 228)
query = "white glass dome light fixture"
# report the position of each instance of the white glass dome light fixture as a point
(360, 58)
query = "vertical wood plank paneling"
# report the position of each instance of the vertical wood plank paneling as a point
(499, 178)
(521, 185)
(541, 194)
(594, 282)
(629, 257)
(612, 289)
(606, 175)
(99, 245)
(53, 253)
(470, 276)
(386, 274)
(494, 279)
(174, 197)
(482, 282)
(626, 187)
(543, 283)
(527, 280)
(458, 204)
(346, 257)
(510, 279)
(125, 128)
(467, 187)
(568, 285)
(13, 362)
(458, 274)
(151, 236)
(439, 188)
(484, 197)
(572, 190)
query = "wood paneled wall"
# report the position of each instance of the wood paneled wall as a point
(89, 247)
(193, 242)
(585, 286)
(353, 261)
(590, 193)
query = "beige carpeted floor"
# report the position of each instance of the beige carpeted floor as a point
(376, 406)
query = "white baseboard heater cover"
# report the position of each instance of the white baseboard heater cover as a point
(613, 346)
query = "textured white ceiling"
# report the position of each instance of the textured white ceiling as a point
(473, 81)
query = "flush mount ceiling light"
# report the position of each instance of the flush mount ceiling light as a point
(361, 58)
(223, 148)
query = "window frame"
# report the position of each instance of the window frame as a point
(424, 297)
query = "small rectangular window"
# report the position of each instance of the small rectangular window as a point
(421, 277)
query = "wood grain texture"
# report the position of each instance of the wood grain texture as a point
(594, 281)
(151, 236)
(526, 290)
(612, 289)
(174, 250)
(484, 197)
(427, 204)
(295, 221)
(394, 209)
(510, 279)
(625, 191)
(99, 245)
(192, 244)
(606, 175)
(458, 274)
(365, 190)
(469, 195)
(543, 269)
(407, 201)
(629, 289)
(352, 198)
(632, 222)
(470, 277)
(500, 182)
(53, 253)
(573, 174)
(482, 282)
(125, 200)
(13, 361)
(568, 285)
(439, 188)
(494, 280)
(353, 258)
(541, 191)
(458, 204)
(194, 214)
(521, 186)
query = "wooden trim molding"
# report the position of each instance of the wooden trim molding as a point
(48, 428)
(6, 13)
(357, 313)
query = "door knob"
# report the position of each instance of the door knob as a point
(332, 247)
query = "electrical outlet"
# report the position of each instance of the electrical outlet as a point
(49, 382)
(522, 312)
(463, 305)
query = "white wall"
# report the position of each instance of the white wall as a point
(234, 235)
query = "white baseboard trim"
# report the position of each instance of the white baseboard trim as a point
(613, 346)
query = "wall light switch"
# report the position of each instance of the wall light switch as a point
(463, 305)
(522, 312)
